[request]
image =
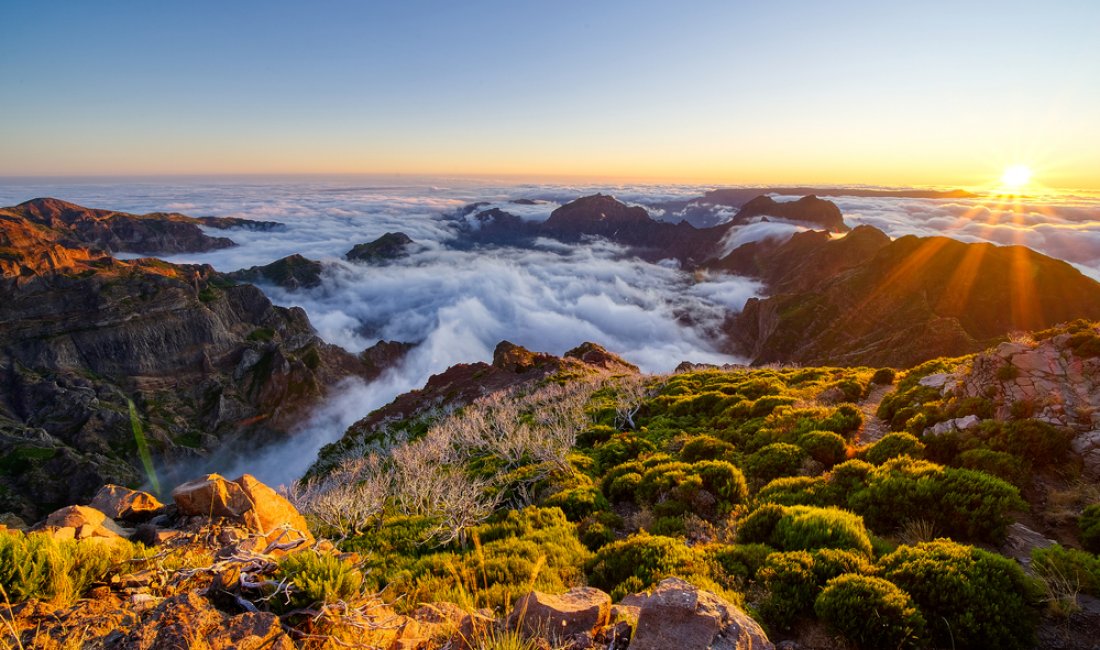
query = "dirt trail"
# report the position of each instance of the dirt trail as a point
(873, 428)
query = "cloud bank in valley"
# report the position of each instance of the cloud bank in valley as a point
(458, 304)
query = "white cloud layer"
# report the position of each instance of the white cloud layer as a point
(458, 304)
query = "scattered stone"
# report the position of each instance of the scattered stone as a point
(1021, 540)
(938, 380)
(958, 424)
(679, 615)
(119, 502)
(189, 620)
(581, 610)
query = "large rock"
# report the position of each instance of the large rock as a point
(681, 616)
(80, 522)
(119, 502)
(246, 502)
(582, 610)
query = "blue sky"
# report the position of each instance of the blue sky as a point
(861, 92)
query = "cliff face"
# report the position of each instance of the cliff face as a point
(207, 362)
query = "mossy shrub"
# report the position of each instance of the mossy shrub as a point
(620, 448)
(970, 598)
(870, 612)
(826, 447)
(773, 461)
(704, 447)
(795, 491)
(579, 502)
(738, 562)
(810, 528)
(1089, 524)
(708, 488)
(793, 579)
(804, 528)
(642, 560)
(893, 445)
(884, 376)
(1001, 464)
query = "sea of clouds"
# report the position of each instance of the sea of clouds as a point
(458, 304)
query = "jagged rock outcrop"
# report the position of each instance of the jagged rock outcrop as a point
(1055, 380)
(676, 614)
(388, 247)
(291, 272)
(158, 232)
(865, 300)
(808, 209)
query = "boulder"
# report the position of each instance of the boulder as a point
(119, 502)
(211, 496)
(679, 615)
(80, 522)
(247, 502)
(581, 610)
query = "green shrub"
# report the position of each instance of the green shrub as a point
(970, 598)
(707, 448)
(1089, 523)
(960, 502)
(579, 502)
(1074, 568)
(739, 562)
(795, 491)
(809, 528)
(804, 528)
(793, 580)
(37, 566)
(647, 559)
(773, 461)
(893, 445)
(315, 579)
(620, 449)
(883, 376)
(870, 611)
(594, 435)
(826, 447)
(708, 488)
(1001, 464)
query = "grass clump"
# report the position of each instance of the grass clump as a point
(315, 579)
(38, 567)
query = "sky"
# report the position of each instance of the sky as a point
(930, 93)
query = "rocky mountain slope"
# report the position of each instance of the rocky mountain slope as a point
(864, 299)
(208, 363)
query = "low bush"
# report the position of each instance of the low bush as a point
(970, 598)
(773, 461)
(643, 560)
(893, 445)
(826, 447)
(708, 488)
(793, 580)
(705, 447)
(884, 376)
(738, 562)
(804, 528)
(1089, 523)
(579, 502)
(870, 612)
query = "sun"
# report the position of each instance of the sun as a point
(1016, 177)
